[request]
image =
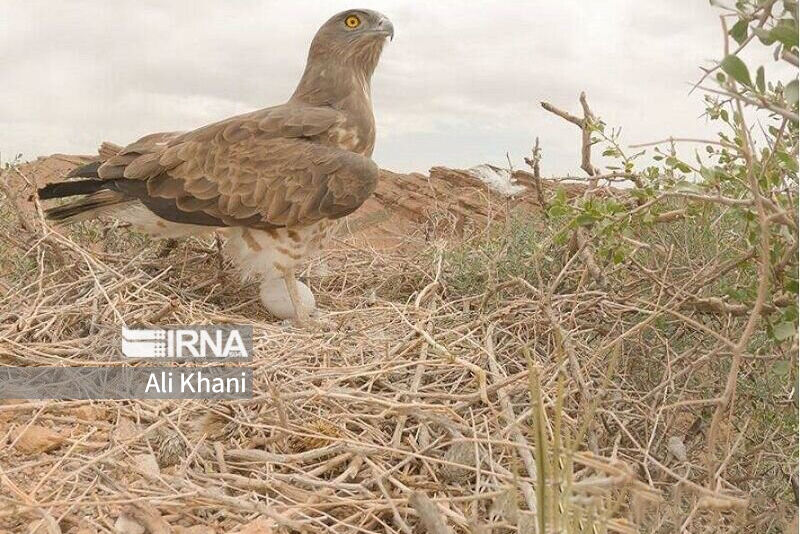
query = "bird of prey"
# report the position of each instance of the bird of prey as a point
(273, 180)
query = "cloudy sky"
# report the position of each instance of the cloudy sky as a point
(460, 85)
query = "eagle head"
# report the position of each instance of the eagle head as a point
(354, 37)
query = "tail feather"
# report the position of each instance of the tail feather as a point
(70, 189)
(86, 171)
(100, 197)
(89, 207)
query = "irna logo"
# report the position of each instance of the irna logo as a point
(188, 342)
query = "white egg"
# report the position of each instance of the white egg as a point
(276, 300)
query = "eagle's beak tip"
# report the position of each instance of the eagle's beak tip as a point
(386, 27)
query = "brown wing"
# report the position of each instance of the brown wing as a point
(288, 120)
(263, 169)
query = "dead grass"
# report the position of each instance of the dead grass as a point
(487, 375)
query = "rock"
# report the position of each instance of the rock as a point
(9, 415)
(124, 430)
(83, 528)
(527, 522)
(259, 526)
(89, 413)
(462, 453)
(140, 519)
(36, 439)
(127, 525)
(148, 464)
(505, 506)
(197, 529)
(677, 448)
(44, 526)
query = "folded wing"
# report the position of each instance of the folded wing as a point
(266, 169)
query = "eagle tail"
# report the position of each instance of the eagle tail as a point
(70, 189)
(100, 202)
(98, 199)
(90, 170)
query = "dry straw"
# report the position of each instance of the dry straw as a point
(455, 385)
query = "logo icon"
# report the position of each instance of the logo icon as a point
(144, 343)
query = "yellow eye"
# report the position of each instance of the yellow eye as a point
(352, 21)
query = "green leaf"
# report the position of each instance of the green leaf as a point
(792, 286)
(707, 174)
(785, 32)
(739, 31)
(584, 219)
(765, 36)
(688, 187)
(762, 86)
(788, 161)
(784, 330)
(557, 210)
(736, 69)
(790, 92)
(781, 369)
(790, 314)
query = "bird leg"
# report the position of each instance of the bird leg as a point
(300, 312)
(220, 258)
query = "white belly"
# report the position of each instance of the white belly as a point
(267, 254)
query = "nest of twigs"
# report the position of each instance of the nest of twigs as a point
(424, 404)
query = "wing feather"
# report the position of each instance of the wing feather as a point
(271, 168)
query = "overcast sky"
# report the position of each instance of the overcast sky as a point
(460, 85)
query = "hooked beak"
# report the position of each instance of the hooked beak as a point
(385, 28)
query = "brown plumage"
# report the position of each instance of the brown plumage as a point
(275, 178)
